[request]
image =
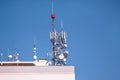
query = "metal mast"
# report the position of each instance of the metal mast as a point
(58, 40)
(34, 51)
(16, 55)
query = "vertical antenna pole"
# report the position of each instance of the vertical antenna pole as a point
(53, 17)
(52, 7)
(34, 50)
(53, 35)
(9, 55)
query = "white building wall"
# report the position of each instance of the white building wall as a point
(37, 73)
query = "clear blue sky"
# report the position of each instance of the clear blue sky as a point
(92, 26)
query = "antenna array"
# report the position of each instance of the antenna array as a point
(58, 40)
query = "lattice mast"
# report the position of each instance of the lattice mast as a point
(58, 40)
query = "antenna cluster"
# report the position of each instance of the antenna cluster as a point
(10, 57)
(58, 40)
